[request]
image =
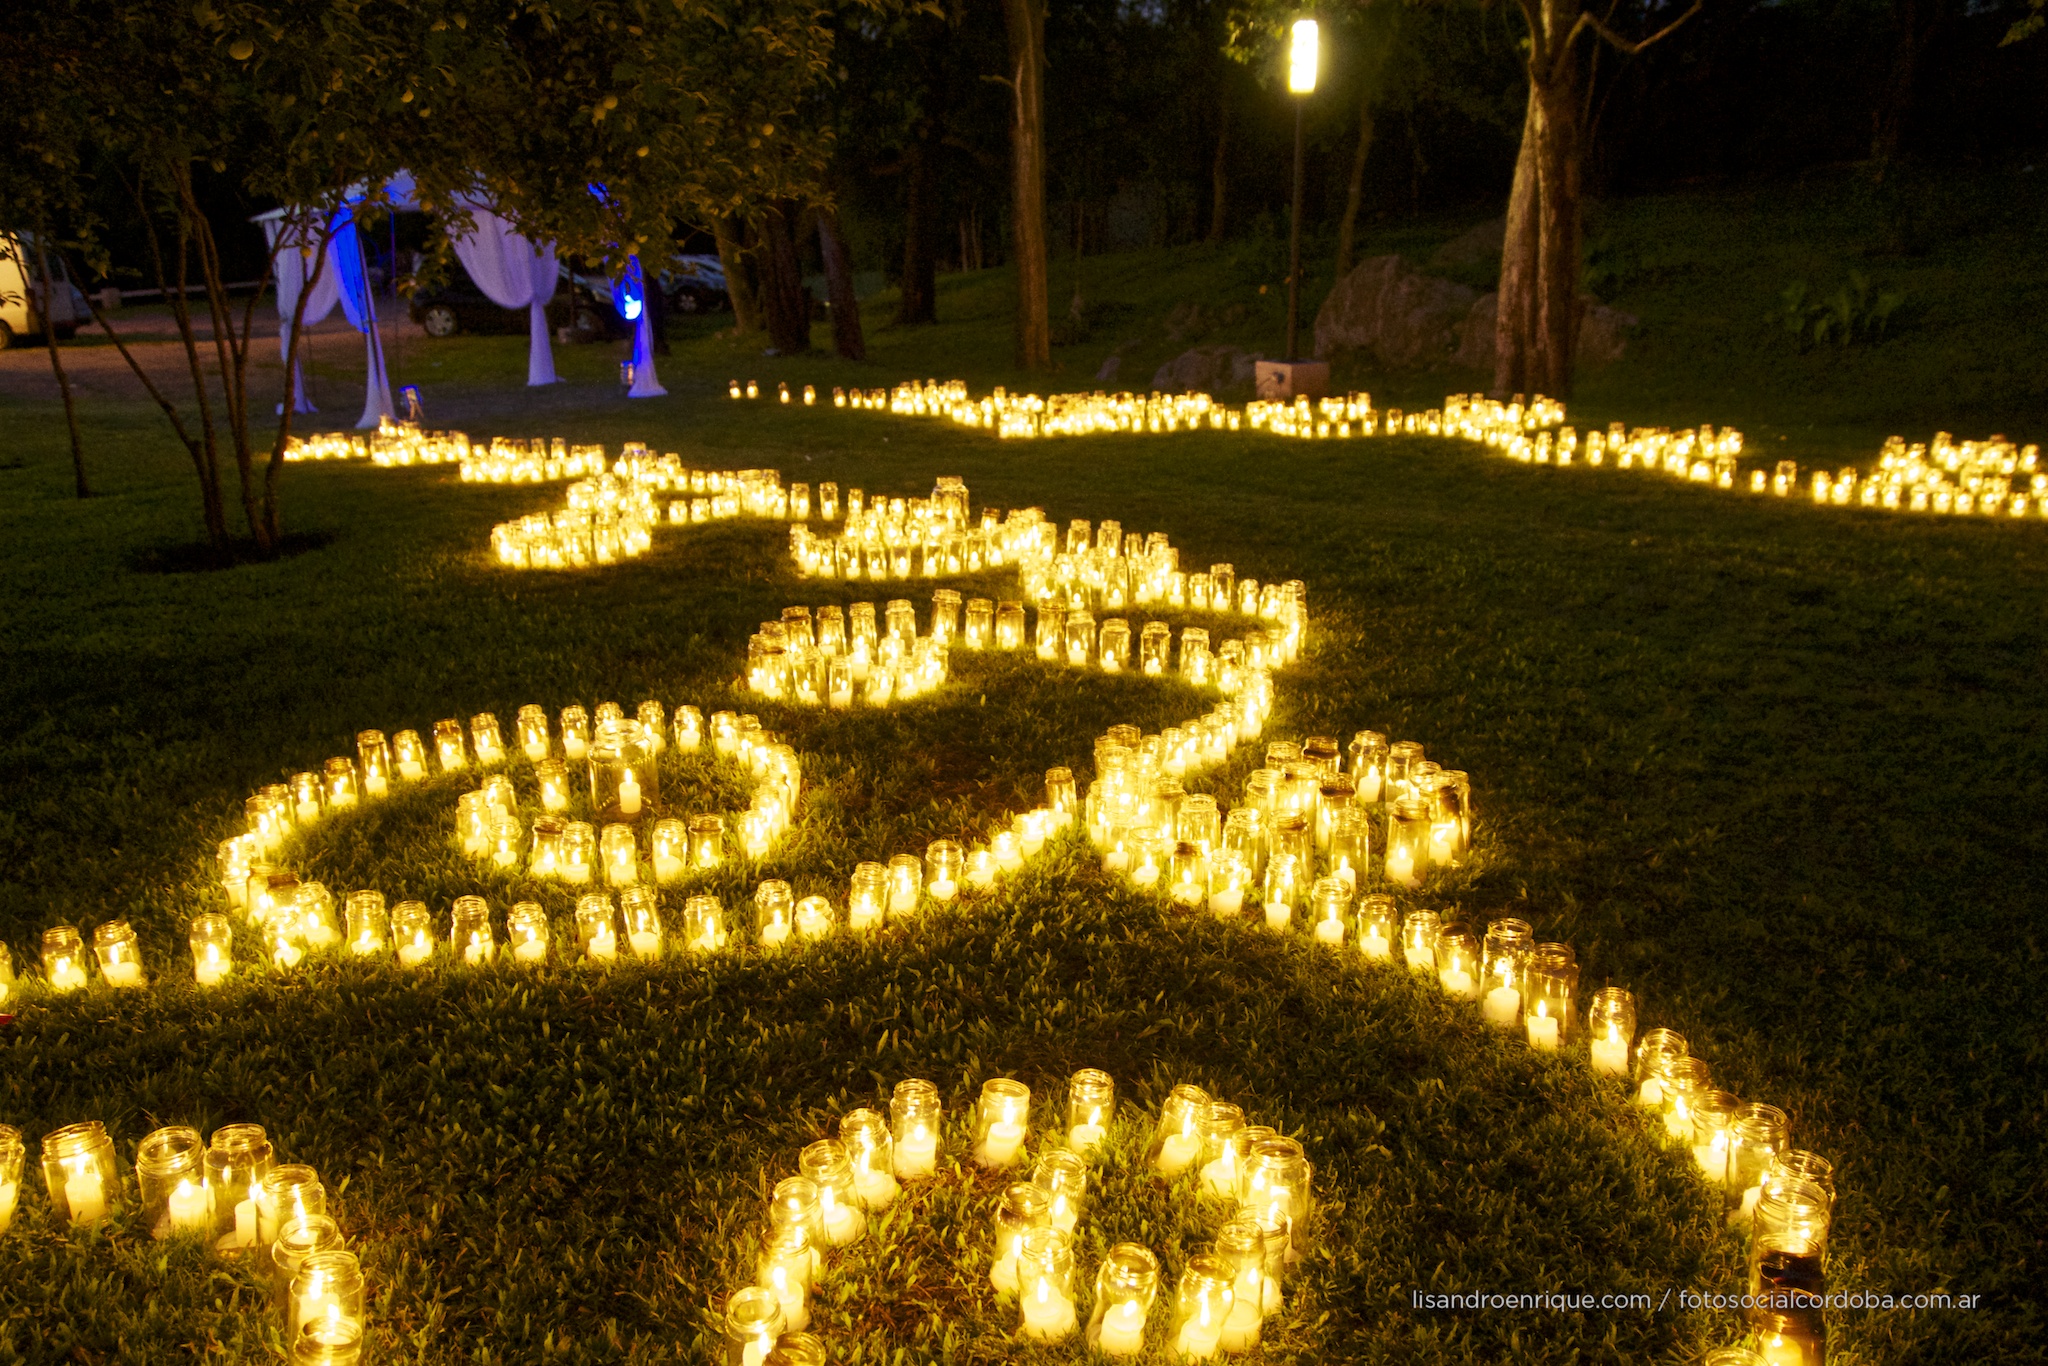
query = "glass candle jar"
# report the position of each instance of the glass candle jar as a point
(1713, 1122)
(450, 750)
(1755, 1139)
(688, 724)
(339, 778)
(1610, 1029)
(1407, 842)
(1177, 1142)
(531, 725)
(1126, 1284)
(1379, 927)
(1550, 983)
(707, 841)
(1451, 817)
(670, 849)
(575, 733)
(915, 1112)
(1685, 1079)
(1063, 1175)
(906, 883)
(597, 935)
(373, 762)
(578, 858)
(640, 911)
(553, 777)
(794, 1207)
(469, 931)
(871, 1150)
(1002, 1121)
(368, 930)
(213, 942)
(785, 1269)
(1419, 930)
(238, 1157)
(328, 1289)
(170, 1181)
(943, 869)
(63, 958)
(1202, 1306)
(813, 918)
(1091, 1104)
(1275, 1186)
(285, 1195)
(297, 1240)
(620, 853)
(1658, 1049)
(1023, 1208)
(1457, 962)
(1788, 1243)
(313, 911)
(413, 930)
(868, 899)
(1330, 909)
(409, 755)
(774, 912)
(527, 931)
(485, 739)
(13, 1154)
(839, 1205)
(80, 1174)
(1241, 1245)
(1045, 1283)
(1222, 1132)
(309, 798)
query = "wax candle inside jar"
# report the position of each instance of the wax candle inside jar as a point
(191, 1211)
(1503, 1007)
(1123, 1330)
(85, 1193)
(1610, 1056)
(1543, 1028)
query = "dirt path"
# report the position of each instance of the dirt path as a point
(97, 371)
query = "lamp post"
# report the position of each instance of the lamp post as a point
(1301, 83)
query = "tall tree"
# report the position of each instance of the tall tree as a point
(1025, 20)
(1537, 323)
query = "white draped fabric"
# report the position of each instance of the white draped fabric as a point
(513, 272)
(339, 278)
(646, 384)
(293, 242)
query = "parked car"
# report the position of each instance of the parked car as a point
(582, 304)
(21, 293)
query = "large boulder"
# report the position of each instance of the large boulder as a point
(1393, 312)
(1603, 334)
(1206, 370)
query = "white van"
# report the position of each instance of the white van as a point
(21, 293)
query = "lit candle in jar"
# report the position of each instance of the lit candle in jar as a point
(191, 1211)
(629, 794)
(1504, 1007)
(1542, 1028)
(1003, 1120)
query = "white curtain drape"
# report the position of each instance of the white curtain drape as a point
(513, 272)
(340, 279)
(646, 384)
(292, 242)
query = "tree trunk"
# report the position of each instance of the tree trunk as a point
(1557, 178)
(1219, 166)
(917, 300)
(730, 234)
(847, 339)
(1354, 193)
(1515, 317)
(57, 367)
(782, 282)
(273, 477)
(1026, 22)
(1914, 22)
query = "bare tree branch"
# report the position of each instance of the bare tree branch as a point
(1587, 19)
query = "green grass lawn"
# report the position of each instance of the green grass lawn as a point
(1774, 768)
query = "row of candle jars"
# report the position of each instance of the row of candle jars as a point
(231, 1192)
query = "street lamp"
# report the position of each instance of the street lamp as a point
(1301, 82)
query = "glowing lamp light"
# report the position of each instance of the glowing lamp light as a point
(1301, 58)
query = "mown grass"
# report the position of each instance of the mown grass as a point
(1776, 769)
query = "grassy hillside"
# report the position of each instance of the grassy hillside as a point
(1774, 768)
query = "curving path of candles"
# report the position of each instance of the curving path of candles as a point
(1331, 840)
